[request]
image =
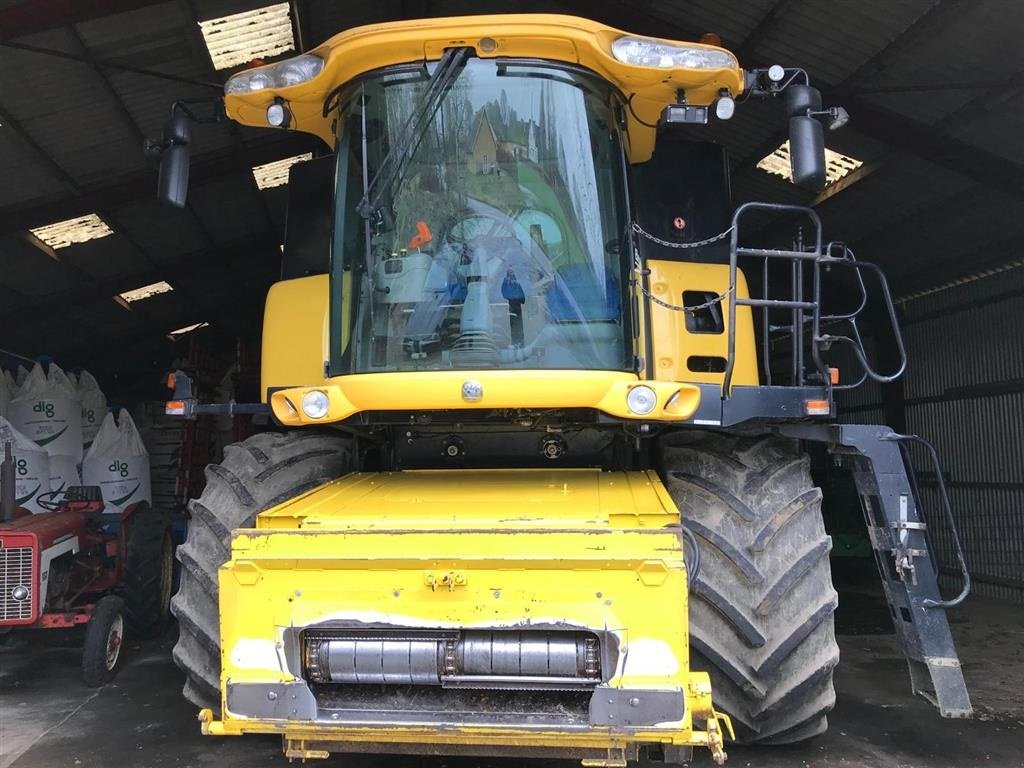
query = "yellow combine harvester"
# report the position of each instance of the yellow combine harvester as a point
(542, 491)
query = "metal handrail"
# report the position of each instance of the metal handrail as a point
(847, 256)
(806, 311)
(858, 345)
(948, 511)
(798, 257)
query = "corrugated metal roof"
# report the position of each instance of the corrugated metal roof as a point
(832, 40)
(67, 111)
(229, 208)
(261, 33)
(982, 45)
(161, 231)
(26, 176)
(733, 25)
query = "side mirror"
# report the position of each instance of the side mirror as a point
(172, 186)
(806, 137)
(807, 153)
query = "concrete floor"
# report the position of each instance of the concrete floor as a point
(49, 718)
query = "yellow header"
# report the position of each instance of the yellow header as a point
(553, 37)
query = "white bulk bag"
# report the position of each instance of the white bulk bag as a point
(94, 406)
(31, 467)
(46, 411)
(5, 391)
(63, 473)
(20, 375)
(118, 463)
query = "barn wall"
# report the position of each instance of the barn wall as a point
(964, 391)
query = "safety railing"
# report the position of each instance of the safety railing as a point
(804, 332)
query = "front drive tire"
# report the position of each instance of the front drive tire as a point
(256, 474)
(104, 641)
(761, 608)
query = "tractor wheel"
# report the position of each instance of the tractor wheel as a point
(148, 573)
(761, 607)
(104, 639)
(258, 473)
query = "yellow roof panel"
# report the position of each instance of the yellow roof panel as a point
(553, 37)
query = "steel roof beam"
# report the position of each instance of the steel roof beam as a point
(141, 186)
(768, 22)
(27, 18)
(235, 255)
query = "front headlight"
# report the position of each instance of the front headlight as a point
(645, 52)
(641, 400)
(288, 72)
(315, 404)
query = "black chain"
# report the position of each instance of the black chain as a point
(669, 244)
(681, 308)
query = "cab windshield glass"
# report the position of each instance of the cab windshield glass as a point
(497, 244)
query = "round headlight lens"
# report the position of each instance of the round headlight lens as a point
(280, 75)
(257, 81)
(315, 404)
(276, 115)
(648, 52)
(297, 70)
(641, 400)
(20, 593)
(725, 108)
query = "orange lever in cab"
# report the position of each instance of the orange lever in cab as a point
(422, 236)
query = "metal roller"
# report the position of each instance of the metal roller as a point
(501, 659)
(373, 660)
(533, 654)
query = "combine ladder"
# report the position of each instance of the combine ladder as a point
(877, 455)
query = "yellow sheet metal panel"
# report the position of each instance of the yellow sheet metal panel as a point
(674, 344)
(295, 333)
(630, 583)
(497, 499)
(543, 36)
(463, 551)
(443, 390)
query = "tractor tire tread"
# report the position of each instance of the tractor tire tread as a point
(146, 612)
(94, 649)
(761, 608)
(264, 470)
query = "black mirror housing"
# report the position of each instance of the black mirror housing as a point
(178, 129)
(801, 99)
(807, 152)
(172, 185)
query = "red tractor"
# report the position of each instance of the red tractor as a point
(72, 565)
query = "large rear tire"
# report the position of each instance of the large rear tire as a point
(256, 474)
(761, 608)
(148, 573)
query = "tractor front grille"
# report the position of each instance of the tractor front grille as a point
(15, 572)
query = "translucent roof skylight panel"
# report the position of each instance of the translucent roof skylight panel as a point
(237, 39)
(61, 234)
(146, 291)
(186, 329)
(837, 165)
(276, 173)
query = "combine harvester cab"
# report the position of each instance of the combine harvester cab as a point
(538, 493)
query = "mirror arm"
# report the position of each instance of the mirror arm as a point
(216, 113)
